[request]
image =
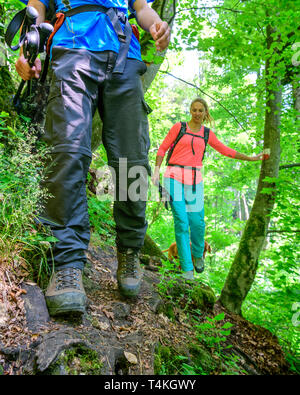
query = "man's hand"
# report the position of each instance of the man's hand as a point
(161, 33)
(25, 71)
(150, 21)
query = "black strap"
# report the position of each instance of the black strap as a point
(181, 133)
(163, 193)
(206, 137)
(85, 8)
(13, 28)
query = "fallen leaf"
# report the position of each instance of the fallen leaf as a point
(131, 357)
(103, 325)
(109, 314)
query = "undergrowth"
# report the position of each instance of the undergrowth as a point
(22, 241)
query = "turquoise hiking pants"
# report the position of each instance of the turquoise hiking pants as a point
(188, 213)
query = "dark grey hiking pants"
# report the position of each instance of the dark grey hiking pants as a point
(82, 83)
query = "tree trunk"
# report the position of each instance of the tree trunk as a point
(296, 95)
(151, 248)
(165, 9)
(243, 270)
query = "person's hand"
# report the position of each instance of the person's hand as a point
(161, 33)
(25, 71)
(260, 156)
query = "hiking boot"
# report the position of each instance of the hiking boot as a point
(129, 273)
(189, 275)
(199, 265)
(65, 293)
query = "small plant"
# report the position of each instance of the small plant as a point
(168, 277)
(212, 334)
(169, 362)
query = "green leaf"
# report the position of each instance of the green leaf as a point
(225, 333)
(219, 317)
(227, 325)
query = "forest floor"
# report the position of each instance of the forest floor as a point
(119, 336)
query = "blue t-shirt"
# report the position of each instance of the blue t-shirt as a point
(92, 30)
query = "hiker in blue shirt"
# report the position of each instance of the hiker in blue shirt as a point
(96, 64)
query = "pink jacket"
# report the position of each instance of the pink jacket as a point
(183, 154)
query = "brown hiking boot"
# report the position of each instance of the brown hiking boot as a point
(129, 273)
(65, 293)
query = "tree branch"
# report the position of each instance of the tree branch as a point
(204, 8)
(210, 8)
(283, 231)
(289, 166)
(204, 93)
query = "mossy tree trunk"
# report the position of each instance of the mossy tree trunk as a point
(151, 248)
(243, 270)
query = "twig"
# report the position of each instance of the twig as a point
(8, 278)
(289, 166)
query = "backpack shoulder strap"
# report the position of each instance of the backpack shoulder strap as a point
(206, 134)
(206, 137)
(180, 134)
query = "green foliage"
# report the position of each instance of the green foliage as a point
(212, 334)
(230, 39)
(171, 361)
(78, 360)
(21, 197)
(101, 218)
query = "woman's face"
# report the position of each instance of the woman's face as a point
(198, 112)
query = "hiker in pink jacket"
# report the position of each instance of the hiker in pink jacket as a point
(183, 180)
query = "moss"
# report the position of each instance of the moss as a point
(151, 248)
(78, 360)
(199, 295)
(203, 296)
(163, 354)
(192, 359)
(167, 308)
(169, 360)
(202, 358)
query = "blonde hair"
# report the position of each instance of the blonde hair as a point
(207, 117)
